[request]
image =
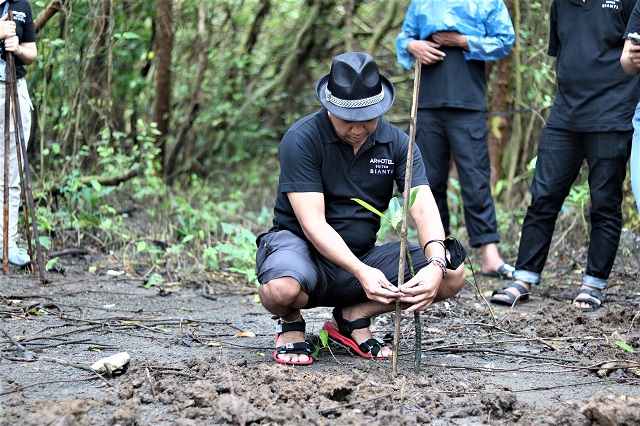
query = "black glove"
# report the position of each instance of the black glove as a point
(455, 253)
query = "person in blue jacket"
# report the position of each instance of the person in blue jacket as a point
(590, 120)
(630, 61)
(453, 39)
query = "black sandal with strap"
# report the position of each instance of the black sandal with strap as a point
(513, 299)
(299, 348)
(370, 348)
(593, 293)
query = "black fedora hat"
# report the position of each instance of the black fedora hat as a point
(354, 90)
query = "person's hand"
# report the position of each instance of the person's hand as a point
(420, 290)
(634, 55)
(11, 44)
(7, 28)
(426, 51)
(377, 286)
(451, 39)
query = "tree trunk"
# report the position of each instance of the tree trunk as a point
(518, 141)
(162, 107)
(261, 14)
(385, 25)
(348, 25)
(196, 99)
(499, 125)
(47, 13)
(98, 88)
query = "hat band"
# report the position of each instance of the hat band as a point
(357, 103)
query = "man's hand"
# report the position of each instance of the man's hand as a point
(420, 291)
(377, 286)
(7, 28)
(11, 44)
(426, 51)
(634, 55)
(451, 39)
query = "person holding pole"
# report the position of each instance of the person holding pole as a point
(453, 39)
(18, 38)
(321, 249)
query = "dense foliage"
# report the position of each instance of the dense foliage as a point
(241, 71)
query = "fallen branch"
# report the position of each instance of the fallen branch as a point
(505, 353)
(112, 180)
(21, 388)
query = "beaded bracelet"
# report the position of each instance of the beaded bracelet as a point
(441, 242)
(440, 262)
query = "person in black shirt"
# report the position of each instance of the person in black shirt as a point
(590, 119)
(321, 249)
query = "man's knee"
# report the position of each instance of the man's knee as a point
(281, 291)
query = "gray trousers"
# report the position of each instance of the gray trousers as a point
(14, 177)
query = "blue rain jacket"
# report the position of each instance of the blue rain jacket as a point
(486, 23)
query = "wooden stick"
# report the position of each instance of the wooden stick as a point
(25, 174)
(12, 85)
(5, 200)
(408, 178)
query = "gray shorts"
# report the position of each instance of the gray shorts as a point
(283, 254)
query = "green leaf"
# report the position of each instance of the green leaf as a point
(127, 35)
(324, 337)
(51, 262)
(370, 208)
(95, 185)
(142, 246)
(412, 199)
(394, 206)
(396, 219)
(624, 346)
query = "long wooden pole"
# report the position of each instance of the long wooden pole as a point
(5, 198)
(408, 178)
(23, 166)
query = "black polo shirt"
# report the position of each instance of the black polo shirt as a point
(453, 83)
(594, 93)
(23, 17)
(314, 159)
(634, 22)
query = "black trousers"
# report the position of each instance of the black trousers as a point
(443, 132)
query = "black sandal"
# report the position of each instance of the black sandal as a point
(370, 348)
(594, 305)
(513, 299)
(299, 348)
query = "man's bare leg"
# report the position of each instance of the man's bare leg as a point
(491, 259)
(284, 297)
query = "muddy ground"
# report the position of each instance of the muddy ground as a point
(201, 354)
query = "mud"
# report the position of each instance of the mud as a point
(201, 353)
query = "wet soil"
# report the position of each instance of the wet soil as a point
(201, 352)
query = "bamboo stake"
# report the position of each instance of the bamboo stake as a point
(408, 178)
(5, 200)
(12, 90)
(25, 176)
